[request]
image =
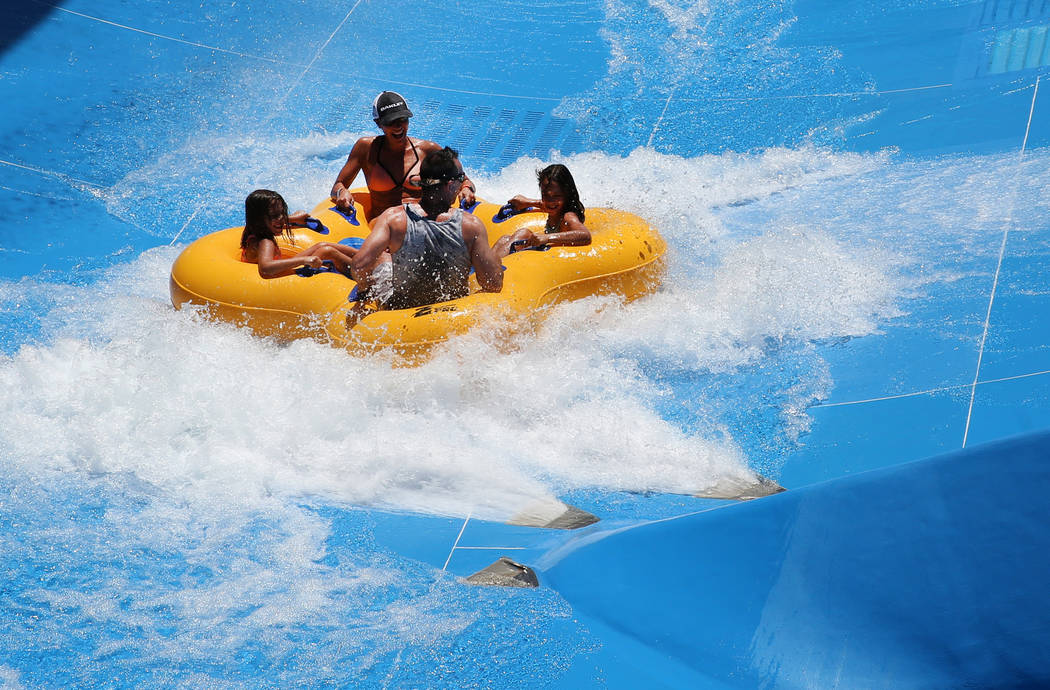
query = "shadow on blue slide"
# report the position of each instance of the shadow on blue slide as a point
(928, 574)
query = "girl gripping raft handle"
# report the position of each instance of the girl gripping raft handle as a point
(565, 213)
(265, 217)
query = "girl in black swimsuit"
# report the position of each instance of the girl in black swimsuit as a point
(565, 213)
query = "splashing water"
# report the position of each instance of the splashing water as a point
(183, 502)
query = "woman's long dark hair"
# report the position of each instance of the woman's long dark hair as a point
(559, 174)
(257, 209)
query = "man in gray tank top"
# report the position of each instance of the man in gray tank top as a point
(431, 248)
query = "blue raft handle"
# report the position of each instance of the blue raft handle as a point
(507, 211)
(471, 271)
(469, 208)
(350, 217)
(519, 246)
(356, 243)
(328, 266)
(307, 271)
(316, 225)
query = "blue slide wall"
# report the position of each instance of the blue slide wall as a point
(927, 574)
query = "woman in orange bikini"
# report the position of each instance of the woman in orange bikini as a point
(390, 161)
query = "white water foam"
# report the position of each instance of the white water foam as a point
(168, 483)
(208, 452)
(783, 246)
(124, 384)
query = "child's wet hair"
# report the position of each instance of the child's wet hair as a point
(257, 216)
(560, 175)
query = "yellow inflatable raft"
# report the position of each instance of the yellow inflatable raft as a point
(625, 257)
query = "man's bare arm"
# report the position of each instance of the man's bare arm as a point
(487, 267)
(388, 232)
(354, 163)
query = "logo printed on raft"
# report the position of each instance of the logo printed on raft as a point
(430, 309)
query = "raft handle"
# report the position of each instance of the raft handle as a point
(316, 225)
(351, 217)
(519, 246)
(507, 211)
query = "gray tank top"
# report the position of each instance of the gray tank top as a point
(433, 262)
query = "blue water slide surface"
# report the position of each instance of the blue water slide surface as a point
(926, 574)
(856, 200)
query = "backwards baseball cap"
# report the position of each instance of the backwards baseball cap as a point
(389, 106)
(439, 167)
(425, 182)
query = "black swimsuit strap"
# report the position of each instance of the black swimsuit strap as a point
(404, 175)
